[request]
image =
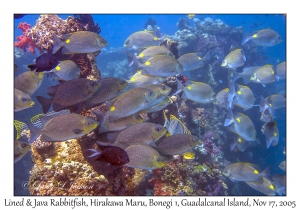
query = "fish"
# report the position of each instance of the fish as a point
(141, 80)
(272, 102)
(246, 172)
(175, 126)
(110, 154)
(222, 98)
(150, 52)
(197, 91)
(160, 65)
(44, 62)
(241, 125)
(16, 68)
(247, 73)
(265, 37)
(234, 59)
(60, 126)
(193, 61)
(28, 82)
(68, 93)
(241, 96)
(263, 185)
(144, 157)
(176, 144)
(130, 102)
(280, 183)
(239, 144)
(142, 133)
(65, 70)
(20, 149)
(110, 88)
(79, 42)
(266, 116)
(281, 71)
(117, 125)
(282, 165)
(190, 16)
(160, 106)
(189, 155)
(141, 39)
(264, 75)
(271, 132)
(22, 100)
(161, 92)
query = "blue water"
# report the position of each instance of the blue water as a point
(116, 28)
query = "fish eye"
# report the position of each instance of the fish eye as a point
(92, 83)
(23, 145)
(88, 122)
(194, 139)
(157, 129)
(164, 87)
(24, 99)
(122, 82)
(150, 93)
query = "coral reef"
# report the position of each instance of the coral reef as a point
(25, 41)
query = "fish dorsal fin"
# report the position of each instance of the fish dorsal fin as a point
(250, 68)
(20, 127)
(41, 120)
(35, 120)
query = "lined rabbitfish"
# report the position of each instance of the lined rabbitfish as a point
(141, 39)
(177, 144)
(280, 183)
(222, 98)
(242, 171)
(144, 157)
(141, 80)
(241, 125)
(240, 96)
(68, 93)
(264, 75)
(142, 133)
(193, 61)
(238, 144)
(130, 102)
(60, 126)
(79, 42)
(265, 37)
(234, 59)
(21, 100)
(151, 51)
(20, 149)
(28, 82)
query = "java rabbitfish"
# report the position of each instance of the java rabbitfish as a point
(110, 154)
(247, 73)
(117, 125)
(21, 100)
(282, 165)
(160, 65)
(110, 88)
(161, 92)
(142, 133)
(281, 71)
(44, 62)
(144, 157)
(234, 59)
(280, 183)
(130, 102)
(266, 116)
(177, 144)
(20, 149)
(141, 80)
(264, 75)
(265, 37)
(238, 144)
(79, 42)
(61, 127)
(241, 96)
(193, 61)
(263, 185)
(222, 98)
(141, 39)
(160, 106)
(240, 124)
(275, 101)
(198, 92)
(65, 70)
(68, 93)
(28, 82)
(242, 171)
(270, 130)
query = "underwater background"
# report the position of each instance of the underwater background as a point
(219, 34)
